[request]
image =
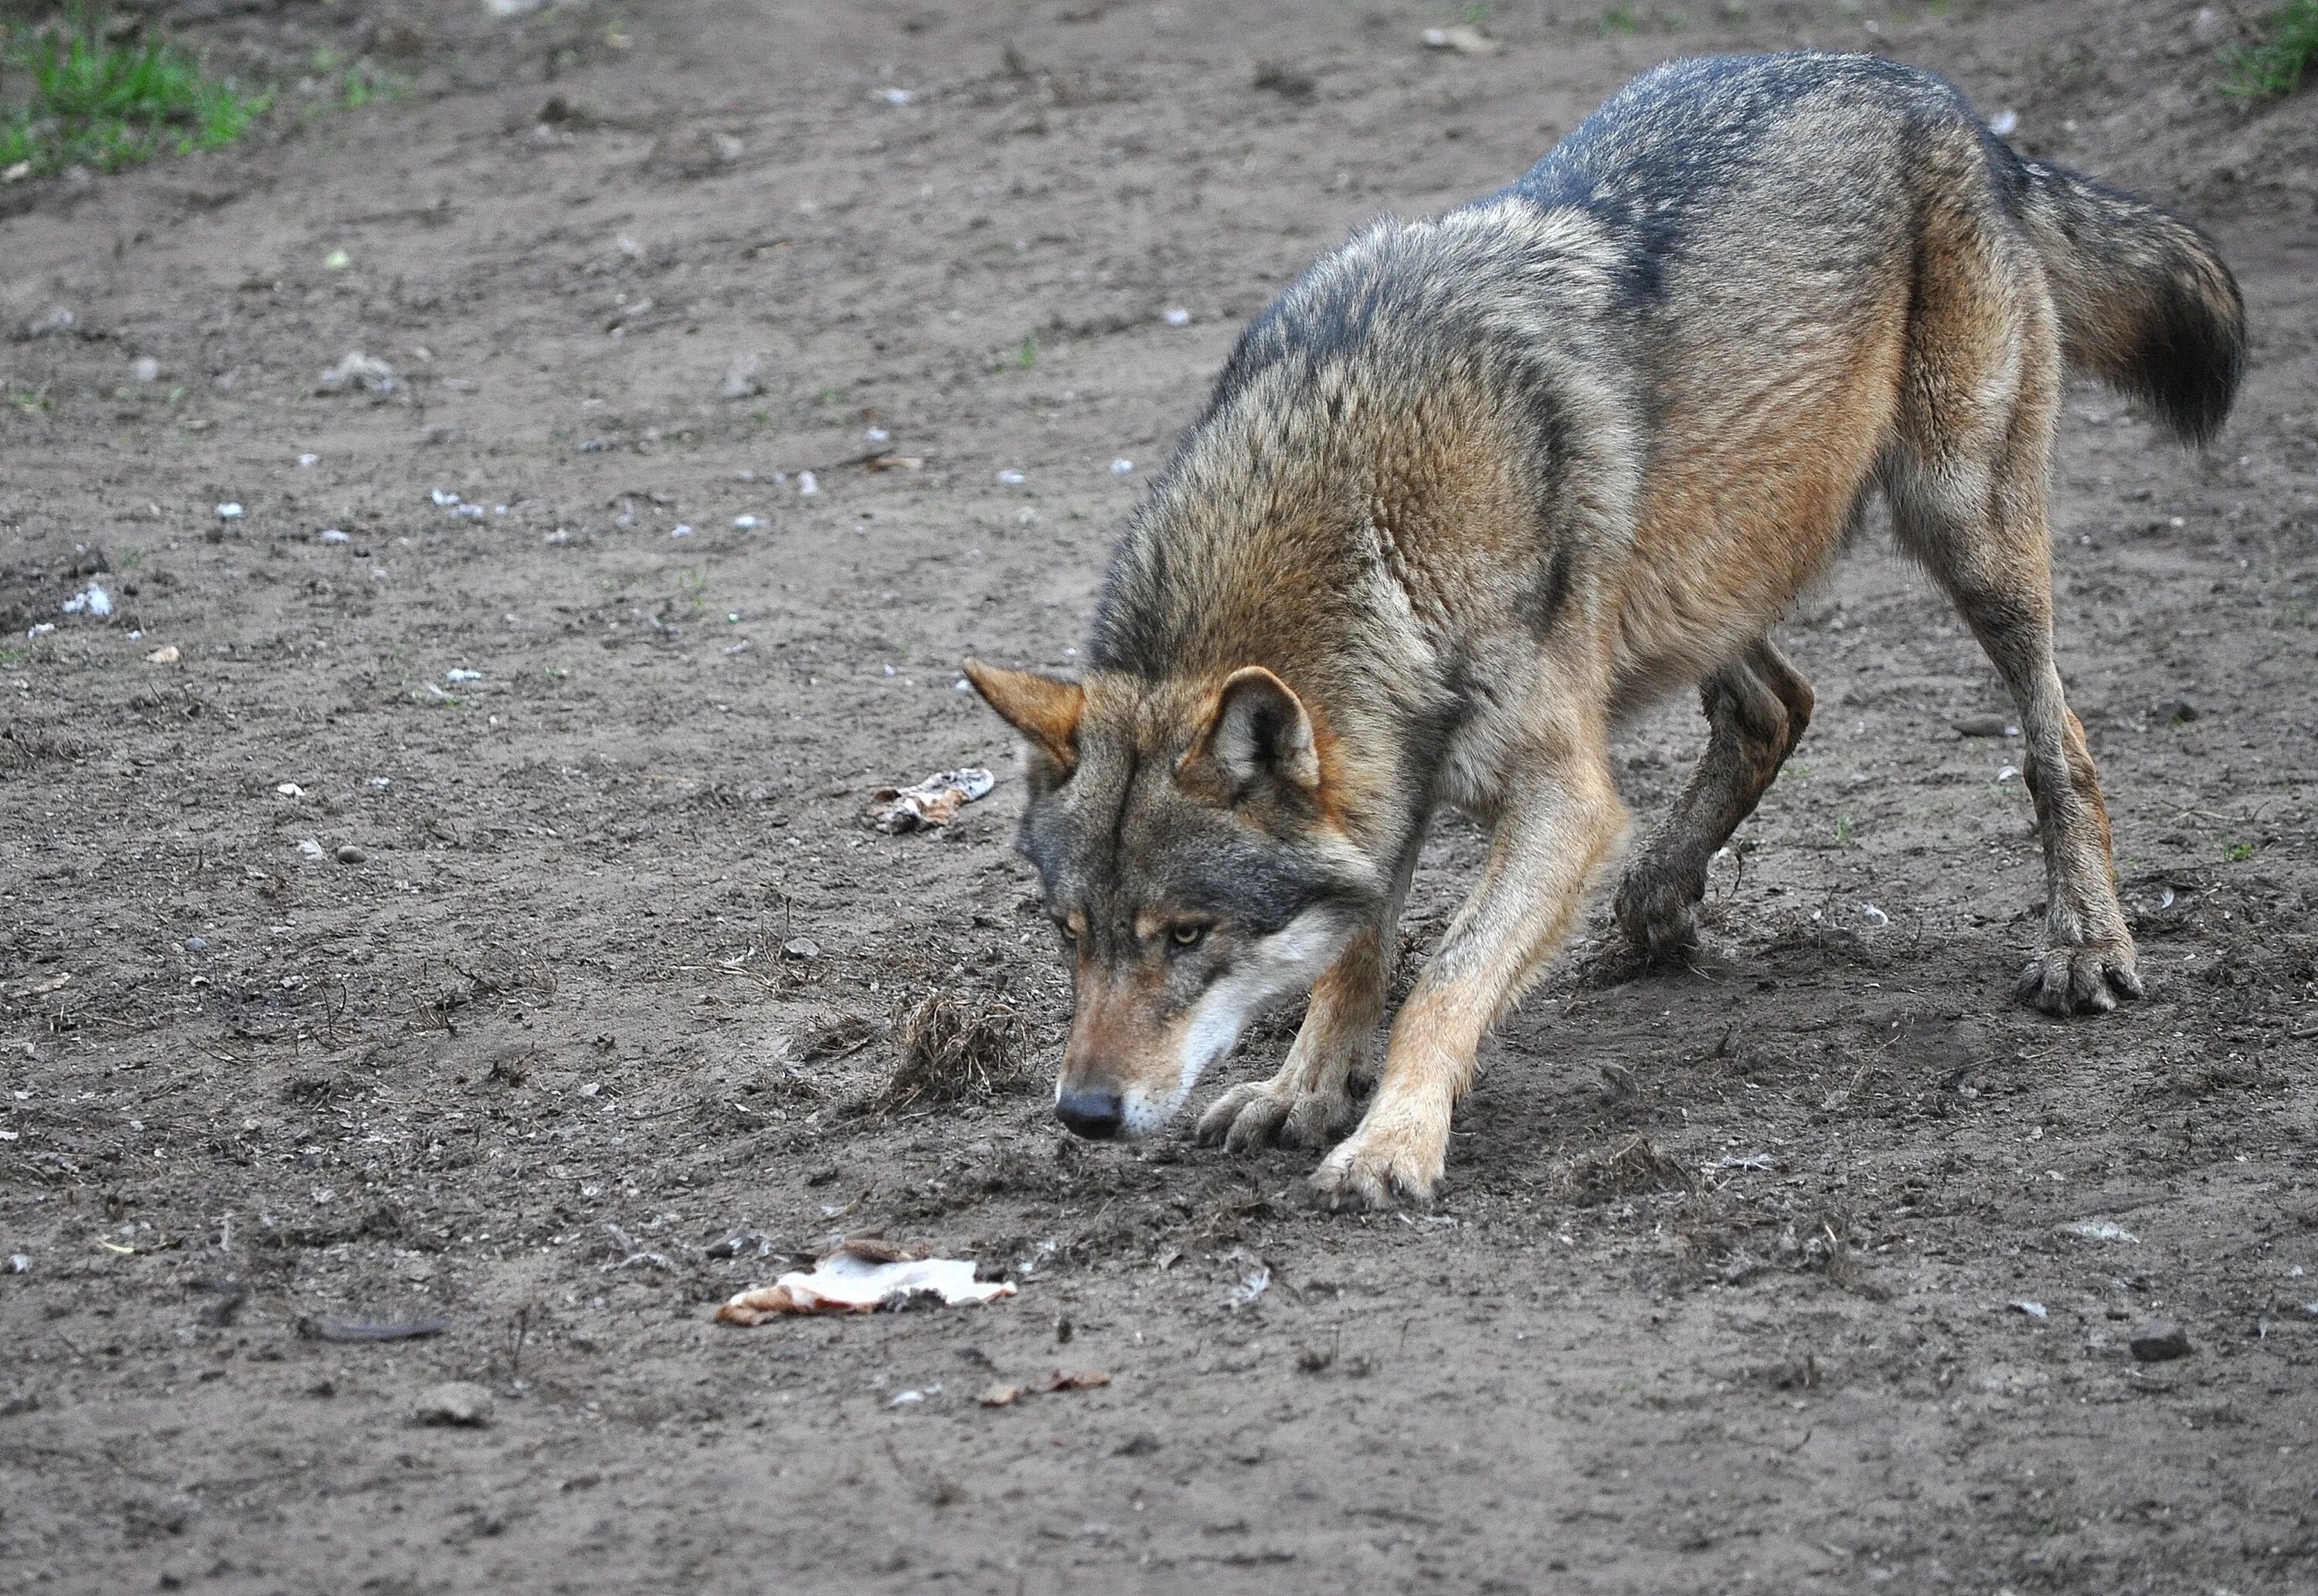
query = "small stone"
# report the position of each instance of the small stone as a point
(2160, 1340)
(145, 369)
(197, 945)
(167, 654)
(461, 1403)
(312, 849)
(801, 947)
(348, 854)
(1981, 726)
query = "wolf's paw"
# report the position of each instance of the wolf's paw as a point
(1658, 918)
(2080, 978)
(1381, 1165)
(1263, 1112)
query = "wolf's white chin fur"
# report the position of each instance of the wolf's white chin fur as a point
(1282, 965)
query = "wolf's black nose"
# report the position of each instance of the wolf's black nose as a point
(1089, 1111)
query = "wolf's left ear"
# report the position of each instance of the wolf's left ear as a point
(1258, 733)
(1042, 708)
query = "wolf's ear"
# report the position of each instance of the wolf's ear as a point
(1258, 733)
(1042, 708)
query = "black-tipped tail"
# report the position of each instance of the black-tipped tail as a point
(2145, 300)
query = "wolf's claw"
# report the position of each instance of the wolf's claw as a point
(2083, 979)
(1261, 1114)
(1377, 1168)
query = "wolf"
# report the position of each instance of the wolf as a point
(1473, 490)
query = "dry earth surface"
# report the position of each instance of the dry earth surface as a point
(1729, 1292)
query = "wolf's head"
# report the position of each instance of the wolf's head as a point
(1192, 862)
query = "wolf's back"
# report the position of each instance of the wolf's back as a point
(2145, 300)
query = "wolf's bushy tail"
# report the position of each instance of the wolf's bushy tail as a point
(2146, 303)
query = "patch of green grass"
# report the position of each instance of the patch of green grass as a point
(1621, 19)
(2274, 66)
(73, 97)
(1028, 356)
(2238, 853)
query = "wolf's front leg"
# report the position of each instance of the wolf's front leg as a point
(1562, 818)
(1310, 1102)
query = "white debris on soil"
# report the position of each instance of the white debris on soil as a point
(443, 499)
(311, 849)
(807, 484)
(860, 1278)
(1122, 467)
(290, 790)
(1873, 915)
(746, 524)
(358, 372)
(461, 1404)
(2034, 1309)
(933, 802)
(167, 654)
(145, 369)
(458, 673)
(1253, 1285)
(897, 96)
(877, 435)
(307, 463)
(679, 531)
(1010, 478)
(2004, 123)
(331, 534)
(91, 600)
(228, 511)
(1175, 315)
(1461, 40)
(2098, 1230)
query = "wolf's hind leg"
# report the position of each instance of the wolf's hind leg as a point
(1756, 708)
(1310, 1102)
(1967, 480)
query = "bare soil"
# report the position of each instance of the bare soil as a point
(1734, 1286)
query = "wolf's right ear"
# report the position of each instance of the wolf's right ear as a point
(1258, 733)
(1042, 708)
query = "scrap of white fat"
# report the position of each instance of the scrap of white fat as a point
(860, 1279)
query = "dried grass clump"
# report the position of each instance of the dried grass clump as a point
(952, 1048)
(1633, 1169)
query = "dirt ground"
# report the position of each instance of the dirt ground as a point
(1762, 1276)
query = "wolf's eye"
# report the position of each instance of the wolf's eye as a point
(1063, 924)
(1188, 936)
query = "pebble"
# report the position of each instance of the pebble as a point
(2159, 1342)
(197, 945)
(459, 1402)
(312, 849)
(1121, 468)
(1985, 726)
(331, 534)
(801, 947)
(145, 369)
(807, 484)
(228, 511)
(1175, 315)
(349, 853)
